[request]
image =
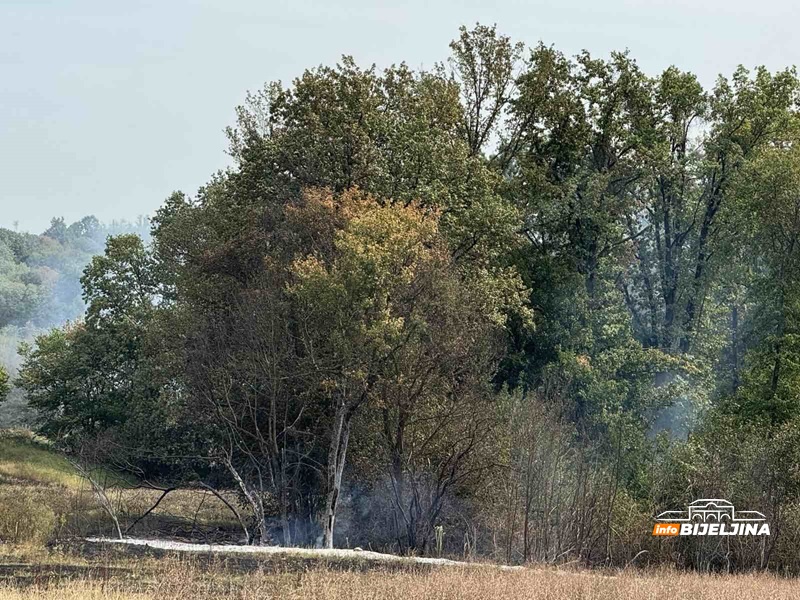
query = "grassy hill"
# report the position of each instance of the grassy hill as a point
(28, 459)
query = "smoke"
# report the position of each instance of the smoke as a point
(680, 409)
(40, 289)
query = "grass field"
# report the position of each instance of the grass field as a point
(25, 458)
(123, 578)
(29, 468)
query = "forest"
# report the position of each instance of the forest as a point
(512, 307)
(40, 288)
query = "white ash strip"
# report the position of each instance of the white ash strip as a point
(311, 552)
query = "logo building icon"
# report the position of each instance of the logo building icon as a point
(711, 516)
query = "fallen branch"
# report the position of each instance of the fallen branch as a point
(151, 509)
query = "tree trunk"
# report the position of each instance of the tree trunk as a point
(255, 502)
(697, 289)
(336, 461)
(735, 347)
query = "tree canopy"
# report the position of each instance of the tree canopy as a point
(532, 298)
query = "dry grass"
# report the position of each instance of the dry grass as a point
(29, 466)
(71, 592)
(198, 506)
(183, 513)
(168, 579)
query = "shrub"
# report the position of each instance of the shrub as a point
(24, 517)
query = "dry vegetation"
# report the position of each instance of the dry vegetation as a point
(37, 482)
(174, 578)
(44, 498)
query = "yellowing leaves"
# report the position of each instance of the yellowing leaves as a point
(371, 249)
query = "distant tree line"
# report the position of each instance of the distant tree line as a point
(40, 288)
(528, 298)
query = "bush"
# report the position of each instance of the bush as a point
(24, 517)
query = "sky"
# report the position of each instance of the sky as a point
(106, 107)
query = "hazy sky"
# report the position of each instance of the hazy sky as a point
(108, 106)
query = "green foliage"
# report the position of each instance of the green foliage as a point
(561, 275)
(39, 274)
(21, 289)
(4, 385)
(61, 379)
(119, 285)
(395, 135)
(88, 377)
(40, 287)
(483, 63)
